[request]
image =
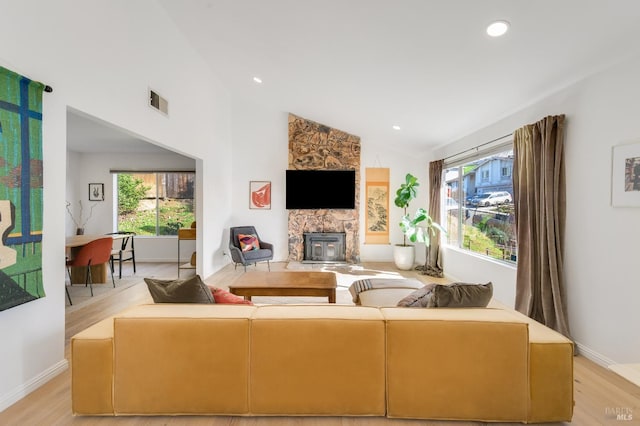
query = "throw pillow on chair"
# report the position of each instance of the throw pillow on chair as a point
(248, 242)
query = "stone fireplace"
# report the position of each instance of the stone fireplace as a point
(314, 146)
(324, 247)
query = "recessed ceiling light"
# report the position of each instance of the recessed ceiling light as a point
(257, 80)
(395, 127)
(497, 28)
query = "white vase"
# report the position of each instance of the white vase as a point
(404, 256)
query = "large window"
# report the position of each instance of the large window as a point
(155, 203)
(480, 213)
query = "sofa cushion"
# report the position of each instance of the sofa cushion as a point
(456, 364)
(420, 298)
(224, 297)
(92, 369)
(317, 360)
(462, 295)
(456, 295)
(176, 359)
(359, 287)
(248, 242)
(190, 290)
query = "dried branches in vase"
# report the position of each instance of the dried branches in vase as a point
(80, 224)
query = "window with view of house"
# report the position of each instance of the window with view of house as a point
(483, 220)
(154, 203)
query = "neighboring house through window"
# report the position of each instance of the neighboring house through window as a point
(483, 220)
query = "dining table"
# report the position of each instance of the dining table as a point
(73, 244)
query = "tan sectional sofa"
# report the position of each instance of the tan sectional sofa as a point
(323, 360)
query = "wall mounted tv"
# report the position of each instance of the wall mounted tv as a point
(320, 189)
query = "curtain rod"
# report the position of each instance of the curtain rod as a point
(478, 146)
(47, 88)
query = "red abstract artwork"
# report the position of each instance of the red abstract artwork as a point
(260, 195)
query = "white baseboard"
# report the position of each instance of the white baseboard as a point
(26, 388)
(594, 356)
(631, 372)
(157, 260)
(451, 278)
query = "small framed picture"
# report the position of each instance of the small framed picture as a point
(260, 194)
(96, 192)
(625, 176)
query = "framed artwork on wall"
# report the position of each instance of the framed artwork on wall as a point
(625, 175)
(96, 192)
(377, 202)
(260, 194)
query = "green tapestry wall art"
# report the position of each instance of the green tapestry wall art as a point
(20, 189)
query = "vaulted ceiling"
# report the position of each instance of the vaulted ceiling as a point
(427, 66)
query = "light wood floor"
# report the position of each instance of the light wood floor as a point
(598, 392)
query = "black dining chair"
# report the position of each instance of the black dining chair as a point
(124, 253)
(68, 295)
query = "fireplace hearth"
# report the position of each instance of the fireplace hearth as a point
(324, 247)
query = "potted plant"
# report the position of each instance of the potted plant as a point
(80, 223)
(412, 228)
(404, 254)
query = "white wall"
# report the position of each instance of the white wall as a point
(601, 249)
(260, 152)
(72, 192)
(463, 266)
(101, 57)
(380, 153)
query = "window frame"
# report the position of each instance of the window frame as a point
(158, 177)
(461, 162)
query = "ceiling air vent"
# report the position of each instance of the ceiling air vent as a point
(158, 103)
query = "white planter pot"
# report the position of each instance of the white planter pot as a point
(404, 257)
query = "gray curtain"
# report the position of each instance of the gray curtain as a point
(433, 266)
(539, 199)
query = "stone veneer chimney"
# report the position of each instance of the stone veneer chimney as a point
(313, 146)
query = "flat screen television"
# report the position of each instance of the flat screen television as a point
(320, 189)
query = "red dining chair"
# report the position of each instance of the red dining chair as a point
(95, 252)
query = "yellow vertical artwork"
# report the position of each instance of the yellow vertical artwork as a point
(377, 199)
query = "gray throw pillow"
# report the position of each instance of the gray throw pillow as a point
(190, 290)
(462, 295)
(420, 298)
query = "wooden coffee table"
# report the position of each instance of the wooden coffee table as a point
(254, 283)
